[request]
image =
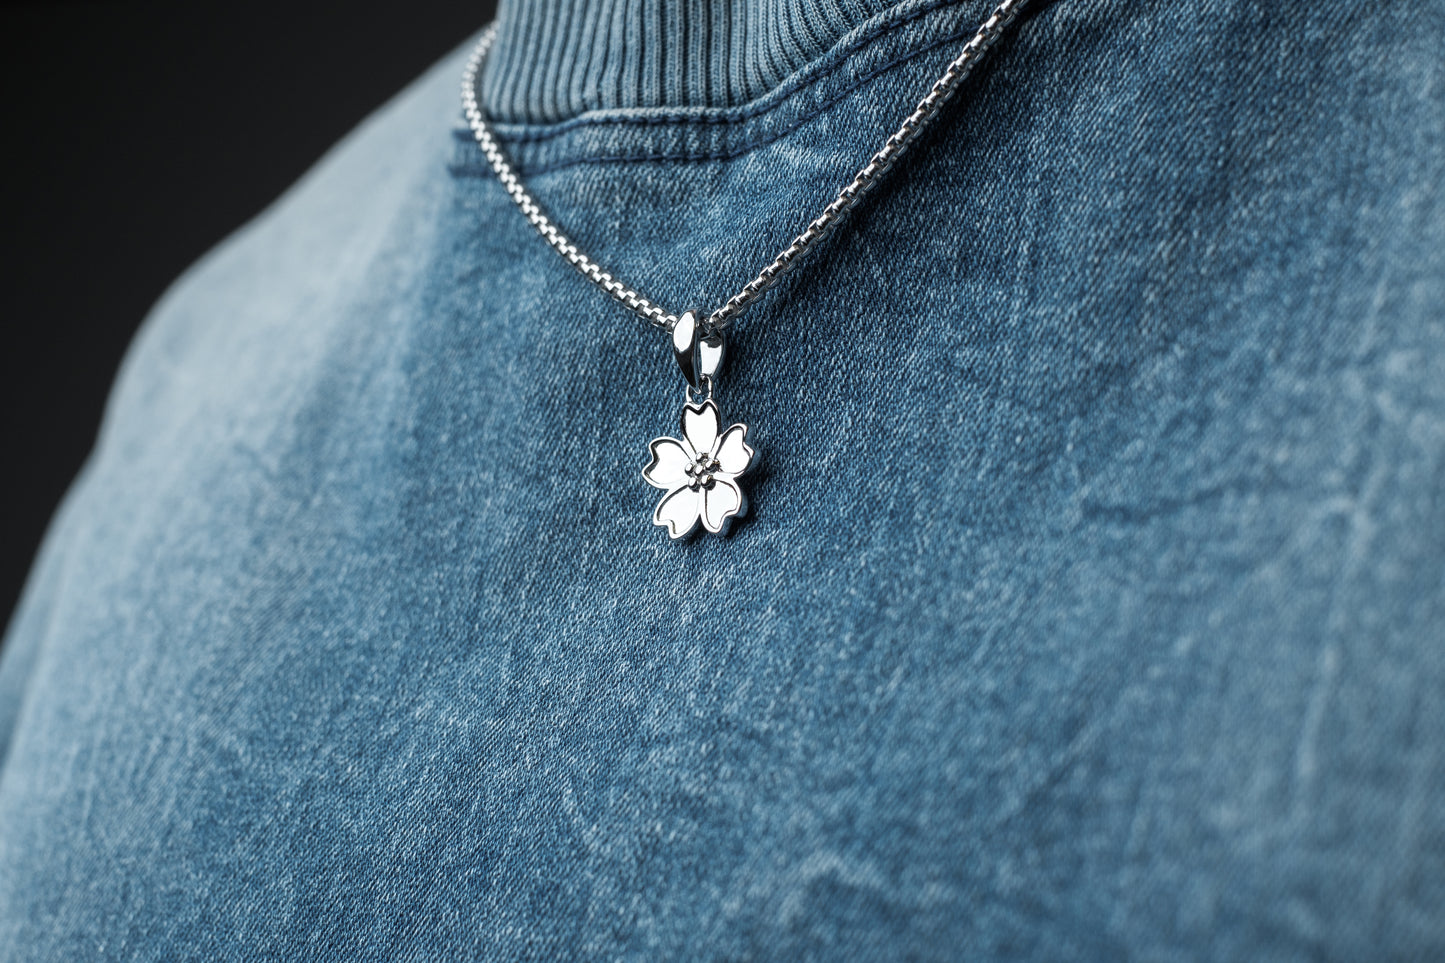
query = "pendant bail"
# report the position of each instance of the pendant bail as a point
(698, 353)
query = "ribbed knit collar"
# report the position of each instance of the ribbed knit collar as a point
(555, 59)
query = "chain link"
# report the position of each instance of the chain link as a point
(848, 198)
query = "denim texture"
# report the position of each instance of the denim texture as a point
(1091, 604)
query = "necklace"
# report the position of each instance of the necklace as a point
(699, 472)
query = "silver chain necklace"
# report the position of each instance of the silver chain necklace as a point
(699, 471)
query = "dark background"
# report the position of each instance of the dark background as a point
(136, 136)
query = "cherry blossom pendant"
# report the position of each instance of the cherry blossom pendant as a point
(699, 471)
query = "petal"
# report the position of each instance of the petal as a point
(668, 468)
(700, 424)
(733, 453)
(721, 502)
(679, 511)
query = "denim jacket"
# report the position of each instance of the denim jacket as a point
(1090, 604)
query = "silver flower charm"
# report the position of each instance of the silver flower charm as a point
(699, 473)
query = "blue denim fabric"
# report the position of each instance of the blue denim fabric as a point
(1091, 606)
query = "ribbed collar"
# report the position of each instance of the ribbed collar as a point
(555, 59)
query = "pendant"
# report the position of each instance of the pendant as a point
(699, 472)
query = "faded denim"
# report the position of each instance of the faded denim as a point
(1091, 605)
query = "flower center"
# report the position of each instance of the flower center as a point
(700, 472)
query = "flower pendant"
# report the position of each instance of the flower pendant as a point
(699, 473)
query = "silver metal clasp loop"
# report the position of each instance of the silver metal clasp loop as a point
(705, 391)
(699, 353)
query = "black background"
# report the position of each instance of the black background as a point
(136, 136)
